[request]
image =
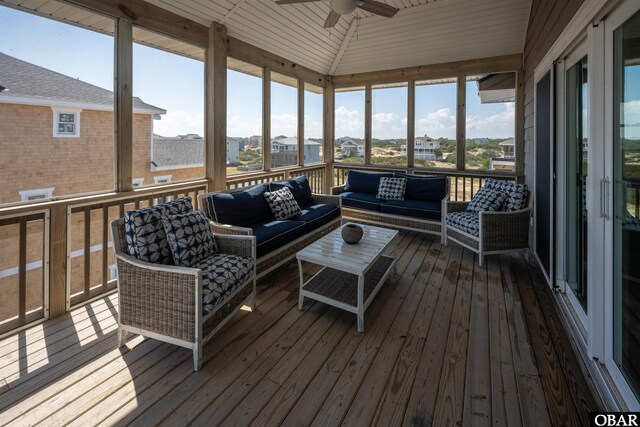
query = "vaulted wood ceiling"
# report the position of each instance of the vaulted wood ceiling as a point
(423, 32)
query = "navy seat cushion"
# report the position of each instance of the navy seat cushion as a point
(413, 208)
(428, 188)
(299, 187)
(274, 234)
(221, 275)
(364, 182)
(315, 216)
(241, 208)
(468, 222)
(361, 200)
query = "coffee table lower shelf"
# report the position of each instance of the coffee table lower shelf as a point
(347, 291)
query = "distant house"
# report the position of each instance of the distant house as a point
(178, 152)
(481, 141)
(425, 147)
(350, 147)
(507, 162)
(234, 146)
(284, 151)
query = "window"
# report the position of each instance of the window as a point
(113, 272)
(435, 123)
(244, 117)
(163, 179)
(168, 107)
(37, 194)
(349, 125)
(284, 121)
(490, 122)
(137, 182)
(313, 123)
(389, 124)
(56, 91)
(66, 123)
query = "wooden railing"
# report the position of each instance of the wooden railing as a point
(463, 184)
(315, 174)
(57, 254)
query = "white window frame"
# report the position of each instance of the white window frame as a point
(162, 179)
(113, 272)
(56, 122)
(137, 182)
(25, 195)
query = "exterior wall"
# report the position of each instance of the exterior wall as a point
(547, 20)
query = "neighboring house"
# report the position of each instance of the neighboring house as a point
(481, 141)
(57, 134)
(284, 151)
(234, 146)
(507, 162)
(425, 147)
(350, 147)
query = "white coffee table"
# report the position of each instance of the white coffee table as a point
(353, 273)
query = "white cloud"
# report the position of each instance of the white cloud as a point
(500, 125)
(179, 123)
(349, 123)
(241, 125)
(632, 119)
(441, 123)
(284, 124)
(312, 128)
(388, 125)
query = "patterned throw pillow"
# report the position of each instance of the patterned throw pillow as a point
(392, 188)
(145, 234)
(190, 238)
(282, 203)
(486, 200)
(517, 194)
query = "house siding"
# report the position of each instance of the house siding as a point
(547, 20)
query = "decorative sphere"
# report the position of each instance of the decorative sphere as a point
(343, 7)
(352, 233)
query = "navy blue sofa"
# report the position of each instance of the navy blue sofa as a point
(247, 212)
(420, 210)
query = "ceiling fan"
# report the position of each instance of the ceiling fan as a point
(344, 7)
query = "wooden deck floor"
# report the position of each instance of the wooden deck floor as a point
(446, 343)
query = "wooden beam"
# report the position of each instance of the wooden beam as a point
(254, 55)
(300, 122)
(411, 123)
(58, 261)
(233, 10)
(367, 124)
(216, 111)
(461, 125)
(344, 45)
(520, 122)
(123, 94)
(328, 112)
(149, 16)
(266, 118)
(494, 64)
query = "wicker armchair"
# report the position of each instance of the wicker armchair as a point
(165, 302)
(498, 231)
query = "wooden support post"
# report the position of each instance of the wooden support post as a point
(461, 123)
(367, 124)
(58, 261)
(216, 116)
(123, 100)
(519, 142)
(411, 124)
(300, 122)
(328, 112)
(266, 118)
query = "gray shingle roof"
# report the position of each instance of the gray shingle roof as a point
(26, 80)
(177, 151)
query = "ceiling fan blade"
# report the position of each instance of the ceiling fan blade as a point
(294, 1)
(332, 19)
(378, 8)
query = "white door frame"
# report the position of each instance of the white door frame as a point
(618, 17)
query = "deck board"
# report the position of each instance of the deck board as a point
(446, 342)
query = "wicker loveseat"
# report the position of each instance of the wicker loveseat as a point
(185, 306)
(420, 210)
(246, 212)
(489, 233)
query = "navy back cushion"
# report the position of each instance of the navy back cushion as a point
(298, 186)
(428, 188)
(364, 182)
(241, 208)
